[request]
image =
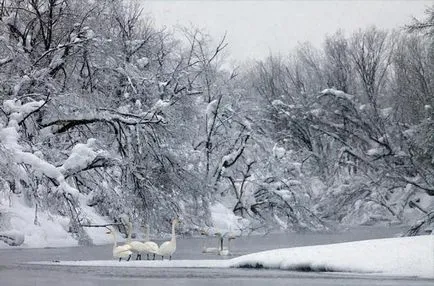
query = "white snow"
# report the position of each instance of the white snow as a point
(160, 105)
(374, 152)
(277, 103)
(20, 216)
(13, 238)
(211, 110)
(385, 112)
(337, 93)
(81, 156)
(278, 152)
(5, 60)
(142, 62)
(18, 111)
(407, 256)
(392, 256)
(50, 231)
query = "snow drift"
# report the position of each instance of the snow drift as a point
(408, 256)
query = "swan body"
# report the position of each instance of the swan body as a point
(122, 251)
(212, 249)
(139, 247)
(135, 246)
(226, 251)
(149, 247)
(167, 248)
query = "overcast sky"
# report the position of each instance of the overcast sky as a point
(256, 28)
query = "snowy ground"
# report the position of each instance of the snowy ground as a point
(409, 256)
(50, 229)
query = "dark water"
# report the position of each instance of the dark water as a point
(15, 271)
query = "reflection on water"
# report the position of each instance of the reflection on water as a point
(14, 271)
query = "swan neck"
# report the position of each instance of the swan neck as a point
(130, 228)
(115, 243)
(173, 232)
(147, 233)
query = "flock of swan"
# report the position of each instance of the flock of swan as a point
(147, 247)
(167, 248)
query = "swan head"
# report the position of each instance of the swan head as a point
(218, 234)
(176, 221)
(203, 232)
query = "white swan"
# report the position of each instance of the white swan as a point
(122, 251)
(149, 246)
(135, 246)
(211, 249)
(226, 251)
(167, 248)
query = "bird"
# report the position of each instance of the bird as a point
(211, 249)
(226, 251)
(167, 248)
(122, 251)
(149, 246)
(137, 247)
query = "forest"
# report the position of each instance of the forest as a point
(104, 114)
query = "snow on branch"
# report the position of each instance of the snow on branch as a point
(19, 112)
(82, 155)
(230, 159)
(5, 61)
(105, 116)
(83, 158)
(337, 93)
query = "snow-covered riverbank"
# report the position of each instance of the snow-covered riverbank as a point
(409, 256)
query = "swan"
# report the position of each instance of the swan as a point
(135, 246)
(149, 246)
(167, 248)
(122, 251)
(226, 251)
(211, 249)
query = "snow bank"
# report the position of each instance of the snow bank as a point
(50, 230)
(409, 256)
(12, 238)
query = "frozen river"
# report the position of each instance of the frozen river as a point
(14, 269)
